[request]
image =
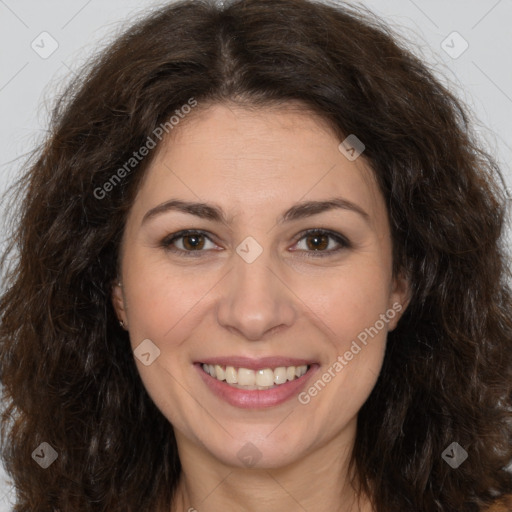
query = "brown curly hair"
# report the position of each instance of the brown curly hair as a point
(67, 368)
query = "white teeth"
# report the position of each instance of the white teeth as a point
(246, 377)
(219, 372)
(264, 378)
(280, 375)
(231, 375)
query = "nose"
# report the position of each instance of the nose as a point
(255, 300)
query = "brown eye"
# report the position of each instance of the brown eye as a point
(188, 242)
(317, 242)
(320, 242)
(193, 242)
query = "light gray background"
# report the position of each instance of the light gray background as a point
(481, 75)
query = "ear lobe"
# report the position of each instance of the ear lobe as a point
(118, 302)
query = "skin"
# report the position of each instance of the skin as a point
(255, 164)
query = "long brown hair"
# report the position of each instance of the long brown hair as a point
(67, 368)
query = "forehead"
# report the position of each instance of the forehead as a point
(258, 158)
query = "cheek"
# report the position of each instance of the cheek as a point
(161, 302)
(353, 308)
(351, 312)
(164, 308)
(349, 300)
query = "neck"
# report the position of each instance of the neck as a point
(319, 481)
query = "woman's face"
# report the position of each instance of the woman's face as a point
(251, 291)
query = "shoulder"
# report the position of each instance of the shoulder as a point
(503, 504)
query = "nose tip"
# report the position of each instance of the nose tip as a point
(253, 327)
(254, 302)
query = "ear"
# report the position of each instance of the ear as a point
(119, 303)
(399, 299)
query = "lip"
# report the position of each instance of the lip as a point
(254, 398)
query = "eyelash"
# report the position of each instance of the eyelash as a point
(339, 239)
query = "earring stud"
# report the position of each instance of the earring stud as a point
(121, 323)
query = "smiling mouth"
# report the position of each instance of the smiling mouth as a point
(262, 379)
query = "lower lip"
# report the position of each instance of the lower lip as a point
(255, 398)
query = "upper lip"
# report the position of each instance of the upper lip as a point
(256, 364)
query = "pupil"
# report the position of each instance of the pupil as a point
(193, 241)
(319, 241)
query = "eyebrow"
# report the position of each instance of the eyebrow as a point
(216, 214)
